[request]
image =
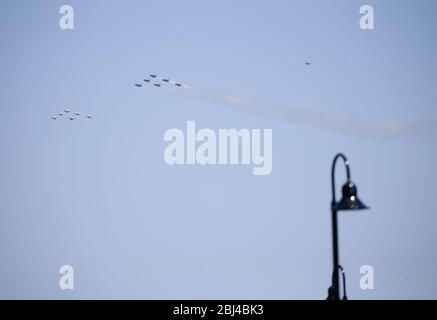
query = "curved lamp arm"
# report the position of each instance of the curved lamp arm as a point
(348, 173)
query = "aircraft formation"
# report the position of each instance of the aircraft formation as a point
(157, 81)
(66, 114)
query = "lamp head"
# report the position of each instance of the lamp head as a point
(349, 199)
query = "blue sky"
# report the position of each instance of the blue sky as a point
(98, 195)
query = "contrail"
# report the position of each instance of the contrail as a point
(321, 120)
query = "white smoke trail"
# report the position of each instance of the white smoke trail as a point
(321, 120)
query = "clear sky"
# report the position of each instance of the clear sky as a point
(96, 193)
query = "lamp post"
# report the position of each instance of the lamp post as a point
(348, 201)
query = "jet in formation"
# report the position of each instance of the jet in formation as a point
(71, 117)
(153, 76)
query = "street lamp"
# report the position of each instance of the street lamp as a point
(348, 201)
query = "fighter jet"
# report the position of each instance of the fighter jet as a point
(307, 63)
(138, 85)
(71, 118)
(178, 84)
(77, 113)
(157, 84)
(66, 111)
(89, 116)
(53, 118)
(152, 75)
(146, 80)
(166, 80)
(60, 114)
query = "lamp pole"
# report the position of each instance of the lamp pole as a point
(334, 292)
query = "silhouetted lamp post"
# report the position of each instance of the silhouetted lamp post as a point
(348, 201)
